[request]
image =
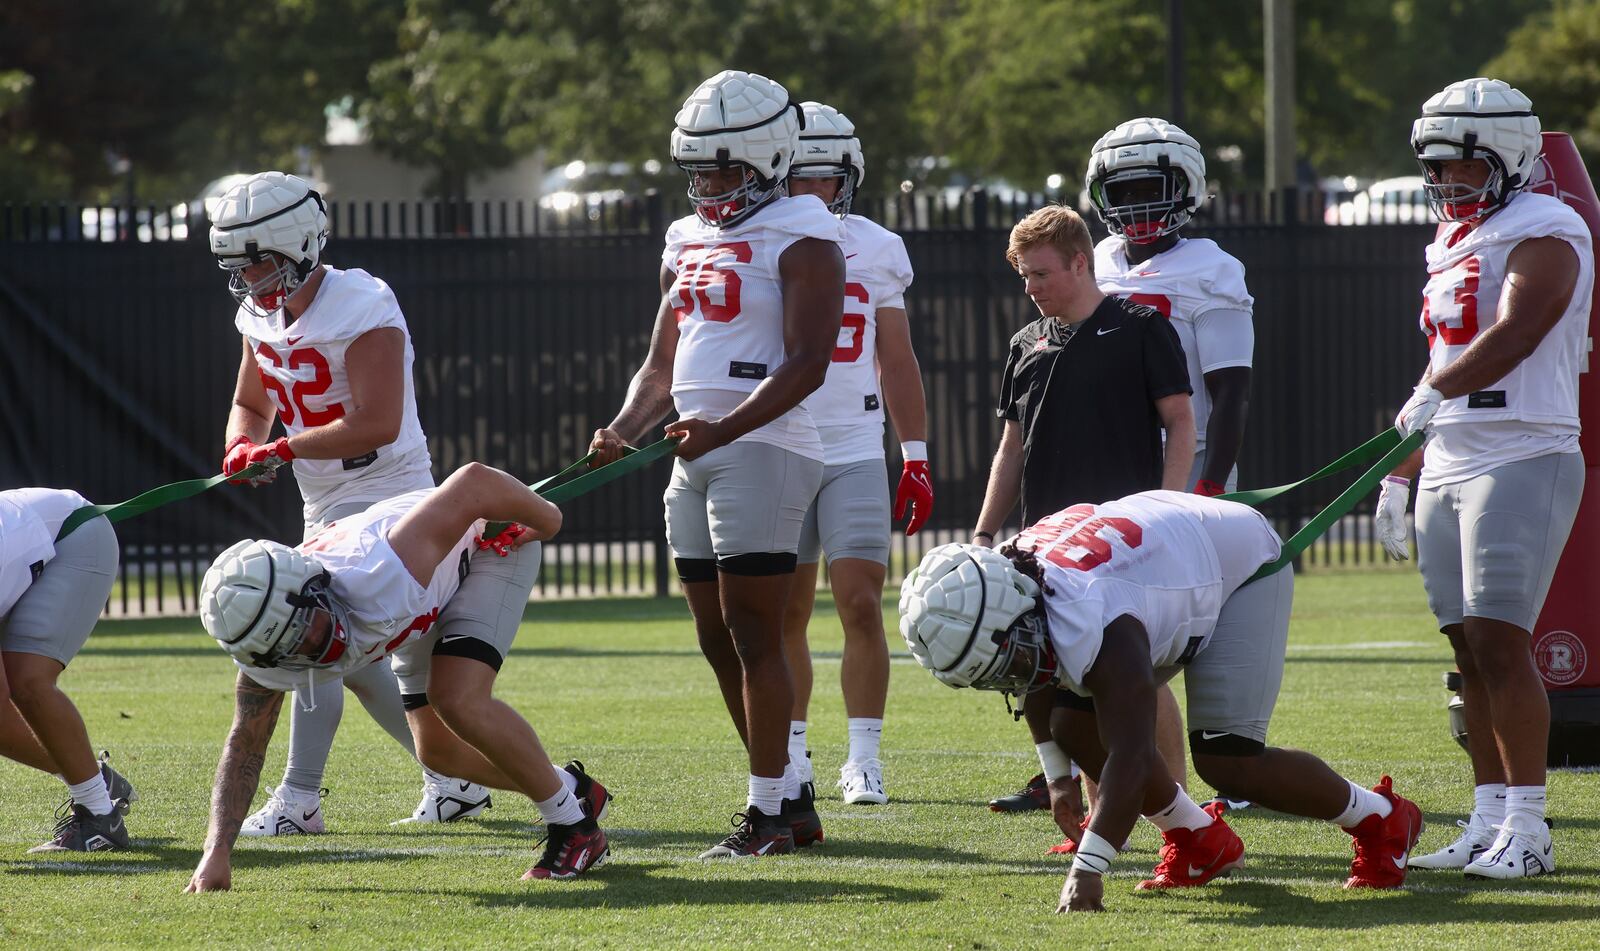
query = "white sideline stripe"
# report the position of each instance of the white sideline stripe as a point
(1362, 646)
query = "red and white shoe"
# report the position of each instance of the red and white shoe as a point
(1191, 857)
(1383, 843)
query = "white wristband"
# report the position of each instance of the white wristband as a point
(1055, 762)
(915, 450)
(1094, 854)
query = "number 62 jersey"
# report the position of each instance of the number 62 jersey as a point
(302, 367)
(727, 298)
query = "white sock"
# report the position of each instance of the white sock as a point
(791, 782)
(766, 793)
(564, 808)
(1525, 807)
(300, 794)
(797, 739)
(1183, 813)
(865, 734)
(1489, 803)
(92, 794)
(1363, 803)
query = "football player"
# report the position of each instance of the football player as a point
(752, 296)
(327, 352)
(389, 581)
(1506, 313)
(51, 592)
(1110, 600)
(849, 519)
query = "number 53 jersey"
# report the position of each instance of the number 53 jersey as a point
(302, 366)
(1533, 409)
(727, 298)
(1168, 559)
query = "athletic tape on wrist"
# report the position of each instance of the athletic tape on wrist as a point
(1094, 854)
(914, 450)
(1055, 763)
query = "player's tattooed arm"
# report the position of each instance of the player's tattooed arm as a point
(255, 716)
(650, 394)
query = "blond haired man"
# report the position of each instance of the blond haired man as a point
(1087, 391)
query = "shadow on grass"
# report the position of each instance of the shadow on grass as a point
(1437, 822)
(625, 884)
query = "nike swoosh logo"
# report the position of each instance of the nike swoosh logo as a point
(797, 733)
(1102, 333)
(1207, 735)
(291, 341)
(1400, 863)
(851, 255)
(765, 848)
(1195, 871)
(465, 787)
(306, 817)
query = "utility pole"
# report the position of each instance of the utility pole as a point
(1175, 112)
(1278, 33)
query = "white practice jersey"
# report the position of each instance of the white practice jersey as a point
(1533, 410)
(728, 299)
(303, 368)
(848, 407)
(1168, 559)
(1200, 288)
(383, 605)
(29, 522)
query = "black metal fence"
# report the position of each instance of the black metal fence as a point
(118, 358)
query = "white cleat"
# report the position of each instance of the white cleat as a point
(287, 813)
(1516, 853)
(1476, 837)
(863, 783)
(446, 800)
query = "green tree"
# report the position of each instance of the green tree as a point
(1555, 59)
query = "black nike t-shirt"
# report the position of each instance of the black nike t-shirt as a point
(1086, 402)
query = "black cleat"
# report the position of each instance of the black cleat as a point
(1035, 795)
(754, 833)
(801, 814)
(79, 830)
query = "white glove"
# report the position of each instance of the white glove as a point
(1418, 411)
(1390, 520)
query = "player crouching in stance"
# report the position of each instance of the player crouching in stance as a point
(1110, 600)
(374, 584)
(51, 593)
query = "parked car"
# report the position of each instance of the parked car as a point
(1388, 201)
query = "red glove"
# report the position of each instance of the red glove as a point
(502, 543)
(235, 458)
(273, 454)
(1208, 488)
(915, 489)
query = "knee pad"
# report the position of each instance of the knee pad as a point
(471, 648)
(1208, 743)
(1066, 699)
(759, 564)
(414, 701)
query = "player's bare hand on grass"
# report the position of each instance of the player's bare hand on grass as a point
(1084, 891)
(699, 436)
(1066, 805)
(214, 874)
(607, 447)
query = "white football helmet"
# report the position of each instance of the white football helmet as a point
(968, 615)
(1146, 178)
(737, 120)
(270, 213)
(1476, 119)
(258, 600)
(829, 149)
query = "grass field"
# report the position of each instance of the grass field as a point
(620, 685)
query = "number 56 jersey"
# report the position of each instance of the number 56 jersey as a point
(727, 298)
(302, 366)
(1168, 559)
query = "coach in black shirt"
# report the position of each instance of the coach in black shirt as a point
(1088, 388)
(1087, 391)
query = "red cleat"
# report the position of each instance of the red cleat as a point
(1067, 846)
(1383, 843)
(1191, 857)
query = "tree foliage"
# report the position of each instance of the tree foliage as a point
(1555, 59)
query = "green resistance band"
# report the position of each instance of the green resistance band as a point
(1387, 447)
(632, 460)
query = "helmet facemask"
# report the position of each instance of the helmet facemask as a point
(846, 176)
(1456, 202)
(1025, 661)
(292, 650)
(1143, 204)
(266, 295)
(729, 208)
